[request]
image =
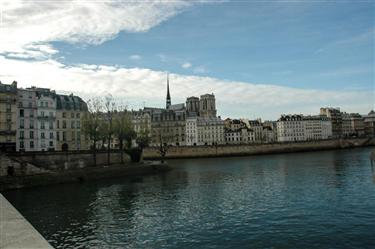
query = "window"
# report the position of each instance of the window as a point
(50, 125)
(42, 126)
(30, 105)
(78, 136)
(72, 115)
(42, 113)
(22, 134)
(64, 136)
(50, 114)
(22, 145)
(31, 134)
(42, 135)
(22, 112)
(22, 123)
(31, 124)
(72, 124)
(77, 115)
(31, 114)
(64, 115)
(78, 124)
(58, 136)
(50, 143)
(31, 144)
(58, 124)
(64, 124)
(73, 136)
(51, 135)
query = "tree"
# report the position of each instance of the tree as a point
(122, 129)
(91, 122)
(110, 108)
(143, 139)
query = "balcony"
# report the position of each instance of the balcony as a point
(46, 117)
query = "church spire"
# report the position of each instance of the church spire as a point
(168, 102)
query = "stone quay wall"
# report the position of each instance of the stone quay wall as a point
(32, 163)
(256, 149)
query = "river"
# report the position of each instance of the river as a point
(302, 200)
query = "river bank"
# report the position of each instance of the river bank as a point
(257, 149)
(81, 175)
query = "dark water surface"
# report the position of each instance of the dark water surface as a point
(304, 200)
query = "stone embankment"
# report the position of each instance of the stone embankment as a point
(16, 231)
(257, 149)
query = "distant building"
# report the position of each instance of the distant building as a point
(369, 124)
(238, 131)
(27, 129)
(317, 127)
(269, 132)
(336, 118)
(352, 125)
(204, 131)
(69, 111)
(290, 128)
(207, 106)
(8, 116)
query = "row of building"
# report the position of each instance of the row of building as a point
(39, 119)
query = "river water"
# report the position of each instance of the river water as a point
(303, 200)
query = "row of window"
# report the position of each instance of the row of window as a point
(51, 135)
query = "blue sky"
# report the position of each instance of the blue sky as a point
(260, 58)
(299, 44)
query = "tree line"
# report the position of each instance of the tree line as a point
(107, 120)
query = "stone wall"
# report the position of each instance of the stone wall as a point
(241, 150)
(41, 162)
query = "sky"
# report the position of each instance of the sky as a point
(261, 59)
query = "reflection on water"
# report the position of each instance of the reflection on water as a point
(305, 200)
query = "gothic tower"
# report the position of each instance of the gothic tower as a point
(168, 102)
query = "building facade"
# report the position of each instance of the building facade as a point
(290, 128)
(70, 110)
(27, 130)
(317, 127)
(8, 116)
(336, 118)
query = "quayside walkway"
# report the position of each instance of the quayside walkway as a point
(16, 231)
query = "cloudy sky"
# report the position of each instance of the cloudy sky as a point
(260, 58)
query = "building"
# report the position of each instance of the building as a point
(238, 131)
(353, 125)
(290, 128)
(45, 119)
(204, 131)
(8, 116)
(336, 118)
(207, 106)
(27, 129)
(269, 132)
(168, 127)
(69, 111)
(369, 124)
(317, 127)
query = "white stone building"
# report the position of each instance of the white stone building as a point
(204, 131)
(317, 127)
(46, 119)
(27, 136)
(290, 128)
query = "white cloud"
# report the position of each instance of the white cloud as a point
(135, 57)
(36, 23)
(29, 27)
(135, 85)
(186, 65)
(200, 69)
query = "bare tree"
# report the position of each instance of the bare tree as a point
(91, 122)
(109, 108)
